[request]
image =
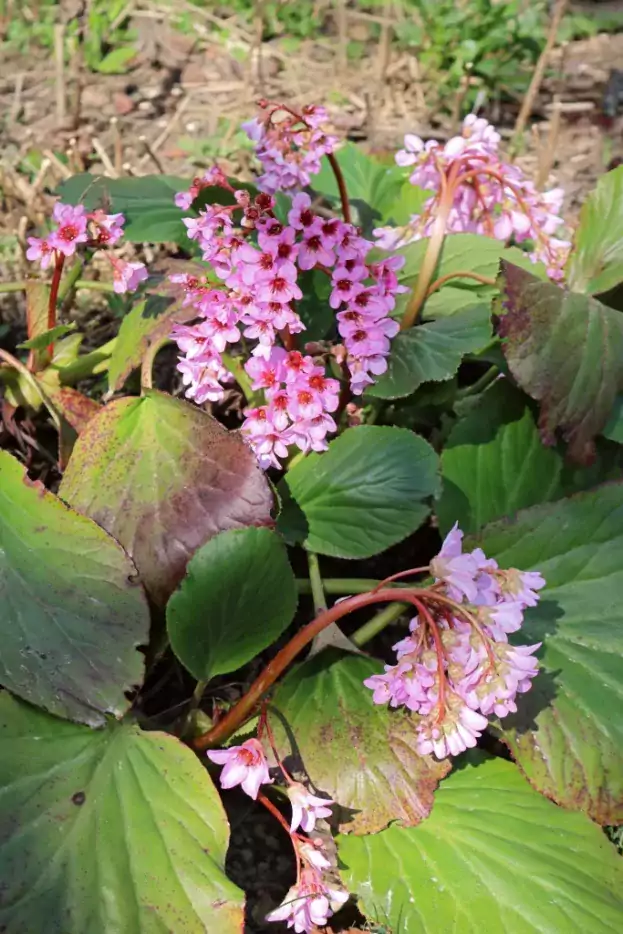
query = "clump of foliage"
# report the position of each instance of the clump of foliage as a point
(449, 380)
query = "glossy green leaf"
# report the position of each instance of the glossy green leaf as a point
(410, 200)
(73, 613)
(494, 856)
(596, 263)
(164, 477)
(566, 351)
(367, 180)
(567, 735)
(361, 755)
(238, 596)
(112, 830)
(366, 492)
(494, 462)
(147, 203)
(314, 309)
(432, 352)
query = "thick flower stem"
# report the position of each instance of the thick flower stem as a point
(341, 184)
(54, 287)
(431, 257)
(247, 704)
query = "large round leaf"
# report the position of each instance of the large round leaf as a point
(238, 596)
(163, 477)
(495, 463)
(567, 735)
(494, 856)
(365, 493)
(112, 830)
(73, 613)
(361, 755)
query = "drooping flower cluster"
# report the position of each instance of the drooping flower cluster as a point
(258, 304)
(75, 226)
(289, 146)
(457, 667)
(489, 196)
(313, 899)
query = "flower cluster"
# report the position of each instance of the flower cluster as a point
(258, 303)
(289, 146)
(457, 667)
(313, 899)
(74, 227)
(489, 196)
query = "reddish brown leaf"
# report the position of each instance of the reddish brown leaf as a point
(163, 477)
(566, 351)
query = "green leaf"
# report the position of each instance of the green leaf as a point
(410, 200)
(238, 596)
(164, 477)
(494, 462)
(314, 309)
(614, 425)
(41, 341)
(432, 351)
(72, 611)
(450, 300)
(112, 830)
(566, 351)
(596, 263)
(567, 735)
(366, 492)
(117, 60)
(494, 856)
(147, 202)
(361, 755)
(372, 187)
(148, 321)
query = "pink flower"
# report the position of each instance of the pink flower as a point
(127, 276)
(289, 149)
(109, 227)
(245, 765)
(313, 251)
(306, 808)
(41, 249)
(279, 285)
(301, 216)
(309, 904)
(458, 731)
(493, 199)
(71, 230)
(457, 570)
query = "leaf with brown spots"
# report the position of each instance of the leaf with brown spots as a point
(566, 351)
(164, 477)
(360, 754)
(74, 406)
(113, 831)
(73, 614)
(567, 735)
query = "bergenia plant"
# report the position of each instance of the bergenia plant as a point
(403, 381)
